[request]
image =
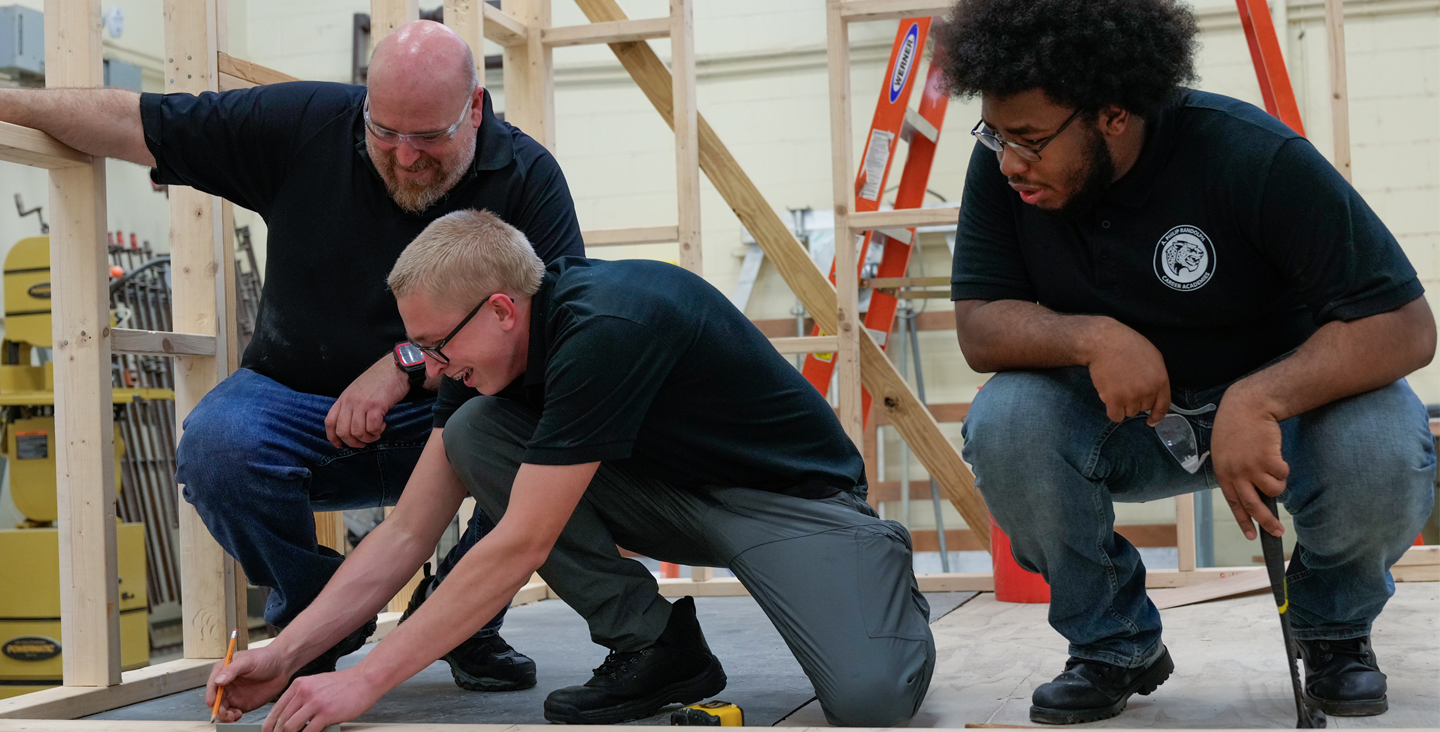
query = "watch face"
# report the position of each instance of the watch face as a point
(408, 356)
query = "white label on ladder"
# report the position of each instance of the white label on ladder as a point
(877, 156)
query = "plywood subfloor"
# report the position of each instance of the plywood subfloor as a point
(764, 678)
(1229, 666)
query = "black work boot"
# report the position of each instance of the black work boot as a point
(678, 669)
(1091, 690)
(484, 663)
(1342, 677)
(325, 662)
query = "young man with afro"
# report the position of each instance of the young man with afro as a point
(1158, 275)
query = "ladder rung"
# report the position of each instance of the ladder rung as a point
(915, 123)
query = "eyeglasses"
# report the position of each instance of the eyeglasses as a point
(418, 140)
(1178, 436)
(434, 351)
(991, 139)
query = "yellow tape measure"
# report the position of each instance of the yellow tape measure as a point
(708, 714)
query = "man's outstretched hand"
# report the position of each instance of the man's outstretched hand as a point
(1245, 448)
(358, 416)
(252, 679)
(321, 700)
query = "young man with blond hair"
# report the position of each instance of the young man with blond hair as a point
(590, 404)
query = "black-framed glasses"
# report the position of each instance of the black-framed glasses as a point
(418, 140)
(434, 351)
(989, 138)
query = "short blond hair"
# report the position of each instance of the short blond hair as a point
(466, 255)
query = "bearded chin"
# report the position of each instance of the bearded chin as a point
(1094, 181)
(414, 196)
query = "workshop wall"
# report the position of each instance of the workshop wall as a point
(763, 87)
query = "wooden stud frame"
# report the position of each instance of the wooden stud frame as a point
(89, 594)
(196, 60)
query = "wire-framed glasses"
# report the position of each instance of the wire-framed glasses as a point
(417, 140)
(992, 139)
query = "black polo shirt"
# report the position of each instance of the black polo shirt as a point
(295, 153)
(1228, 243)
(645, 365)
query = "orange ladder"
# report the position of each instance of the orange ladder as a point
(893, 121)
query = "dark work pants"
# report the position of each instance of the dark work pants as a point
(836, 581)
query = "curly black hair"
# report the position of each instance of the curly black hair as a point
(1085, 54)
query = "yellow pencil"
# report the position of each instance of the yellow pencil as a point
(229, 654)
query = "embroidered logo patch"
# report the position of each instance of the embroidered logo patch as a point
(1184, 258)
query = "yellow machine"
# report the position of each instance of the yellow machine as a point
(30, 641)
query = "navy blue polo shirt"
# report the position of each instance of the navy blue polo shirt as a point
(645, 365)
(1227, 245)
(295, 153)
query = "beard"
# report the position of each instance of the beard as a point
(1091, 180)
(416, 196)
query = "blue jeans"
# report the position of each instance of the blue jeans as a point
(255, 463)
(1050, 465)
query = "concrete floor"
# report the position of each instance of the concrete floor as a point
(1229, 666)
(764, 678)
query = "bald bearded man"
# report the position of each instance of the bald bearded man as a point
(329, 410)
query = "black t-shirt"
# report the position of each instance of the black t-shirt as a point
(1228, 244)
(295, 153)
(648, 366)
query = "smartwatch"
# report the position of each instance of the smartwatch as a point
(410, 360)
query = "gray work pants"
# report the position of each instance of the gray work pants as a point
(837, 582)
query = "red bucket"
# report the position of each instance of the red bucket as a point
(1012, 583)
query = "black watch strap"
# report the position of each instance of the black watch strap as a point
(409, 359)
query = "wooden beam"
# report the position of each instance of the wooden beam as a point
(386, 16)
(151, 682)
(808, 344)
(467, 19)
(847, 288)
(252, 73)
(1339, 93)
(905, 218)
(84, 432)
(161, 343)
(68, 702)
(618, 31)
(639, 235)
(1235, 584)
(36, 149)
(502, 28)
(859, 11)
(529, 71)
(192, 66)
(1185, 529)
(805, 280)
(687, 132)
(943, 413)
(330, 530)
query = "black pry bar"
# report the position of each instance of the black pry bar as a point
(1306, 717)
